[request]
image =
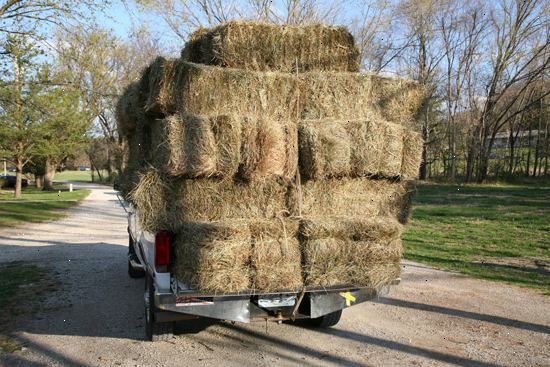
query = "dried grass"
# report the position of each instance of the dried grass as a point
(137, 157)
(215, 200)
(210, 90)
(193, 146)
(363, 198)
(412, 154)
(276, 257)
(265, 47)
(269, 148)
(169, 201)
(335, 261)
(160, 82)
(151, 197)
(213, 257)
(354, 148)
(352, 228)
(344, 96)
(347, 250)
(324, 150)
(128, 109)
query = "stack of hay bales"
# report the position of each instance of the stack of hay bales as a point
(272, 160)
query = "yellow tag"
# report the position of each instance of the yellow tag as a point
(349, 298)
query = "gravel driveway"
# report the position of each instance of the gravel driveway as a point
(96, 318)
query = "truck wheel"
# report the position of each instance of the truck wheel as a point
(327, 320)
(133, 272)
(155, 331)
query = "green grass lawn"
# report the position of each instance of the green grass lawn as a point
(78, 176)
(37, 205)
(495, 232)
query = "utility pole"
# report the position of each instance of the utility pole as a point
(5, 168)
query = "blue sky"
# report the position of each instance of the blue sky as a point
(123, 17)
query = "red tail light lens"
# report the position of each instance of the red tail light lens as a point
(162, 251)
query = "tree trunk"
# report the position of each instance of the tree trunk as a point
(528, 165)
(470, 159)
(546, 146)
(483, 166)
(18, 176)
(38, 181)
(49, 173)
(512, 145)
(537, 146)
(423, 171)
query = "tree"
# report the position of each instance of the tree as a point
(19, 129)
(521, 49)
(421, 60)
(100, 65)
(63, 124)
(462, 27)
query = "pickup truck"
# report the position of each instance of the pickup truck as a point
(167, 300)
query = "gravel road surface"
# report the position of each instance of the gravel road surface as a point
(432, 318)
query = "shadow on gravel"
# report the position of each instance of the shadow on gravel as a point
(286, 345)
(467, 314)
(52, 356)
(409, 349)
(96, 297)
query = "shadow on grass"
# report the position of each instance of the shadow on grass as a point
(483, 196)
(512, 274)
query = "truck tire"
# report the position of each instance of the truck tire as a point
(133, 272)
(327, 320)
(155, 331)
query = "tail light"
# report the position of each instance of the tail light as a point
(162, 251)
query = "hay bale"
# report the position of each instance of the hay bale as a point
(151, 197)
(137, 156)
(358, 197)
(128, 109)
(331, 262)
(213, 257)
(193, 146)
(324, 150)
(276, 258)
(265, 47)
(352, 228)
(167, 202)
(159, 83)
(412, 154)
(211, 90)
(354, 148)
(333, 95)
(215, 200)
(269, 148)
(403, 201)
(399, 100)
(341, 250)
(376, 148)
